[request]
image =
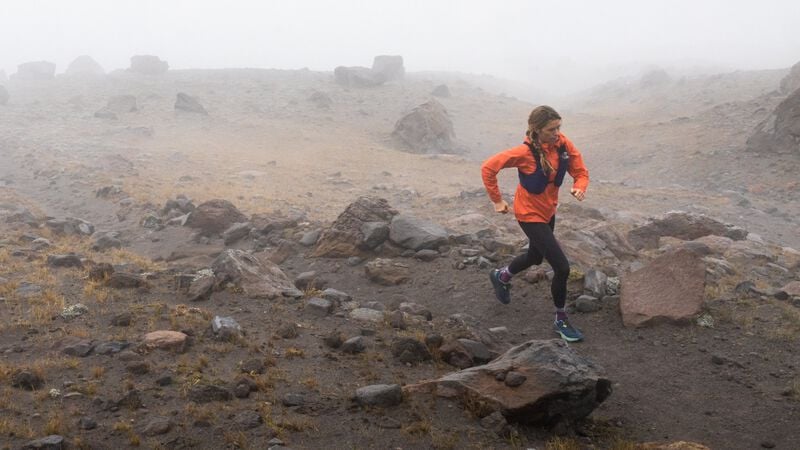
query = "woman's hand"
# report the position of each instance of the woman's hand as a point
(501, 207)
(579, 194)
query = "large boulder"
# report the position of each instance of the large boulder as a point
(214, 217)
(390, 67)
(539, 382)
(346, 236)
(681, 225)
(780, 132)
(416, 234)
(255, 277)
(148, 65)
(671, 288)
(116, 106)
(84, 66)
(36, 70)
(426, 129)
(791, 82)
(186, 103)
(358, 77)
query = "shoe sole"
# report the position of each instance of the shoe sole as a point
(494, 286)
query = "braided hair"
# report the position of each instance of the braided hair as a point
(539, 118)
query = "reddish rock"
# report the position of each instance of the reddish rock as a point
(670, 289)
(167, 340)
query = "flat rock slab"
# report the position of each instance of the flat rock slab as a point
(669, 289)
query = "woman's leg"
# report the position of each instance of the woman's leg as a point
(543, 245)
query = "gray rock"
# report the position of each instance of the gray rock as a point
(214, 217)
(70, 260)
(148, 65)
(157, 426)
(333, 295)
(416, 234)
(410, 350)
(375, 233)
(389, 67)
(71, 226)
(236, 232)
(186, 103)
(319, 306)
(124, 280)
(24, 379)
(52, 442)
(73, 311)
(106, 240)
(384, 395)
(587, 304)
(310, 238)
(257, 278)
(354, 345)
(87, 423)
(226, 328)
(247, 420)
(293, 399)
(387, 272)
(79, 347)
(594, 283)
(426, 255)
(110, 348)
(205, 393)
(201, 287)
(367, 315)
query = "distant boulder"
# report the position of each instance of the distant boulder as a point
(681, 225)
(791, 82)
(321, 100)
(426, 129)
(185, 102)
(655, 78)
(214, 217)
(118, 104)
(390, 67)
(441, 91)
(780, 132)
(36, 70)
(84, 66)
(358, 77)
(148, 65)
(4, 96)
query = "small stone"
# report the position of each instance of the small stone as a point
(164, 380)
(514, 379)
(397, 320)
(27, 380)
(253, 366)
(122, 319)
(226, 328)
(333, 339)
(292, 399)
(287, 330)
(379, 395)
(767, 444)
(52, 442)
(354, 345)
(205, 393)
(157, 426)
(320, 307)
(87, 423)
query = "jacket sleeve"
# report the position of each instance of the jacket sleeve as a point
(577, 169)
(512, 157)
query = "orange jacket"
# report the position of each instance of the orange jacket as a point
(534, 207)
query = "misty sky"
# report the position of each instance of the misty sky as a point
(556, 44)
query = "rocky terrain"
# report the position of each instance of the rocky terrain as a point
(294, 259)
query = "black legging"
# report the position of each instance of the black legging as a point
(543, 246)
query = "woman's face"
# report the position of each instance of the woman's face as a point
(549, 133)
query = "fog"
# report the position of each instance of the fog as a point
(555, 46)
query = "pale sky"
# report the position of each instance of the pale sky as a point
(557, 44)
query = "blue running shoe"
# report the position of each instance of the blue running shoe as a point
(567, 331)
(502, 290)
